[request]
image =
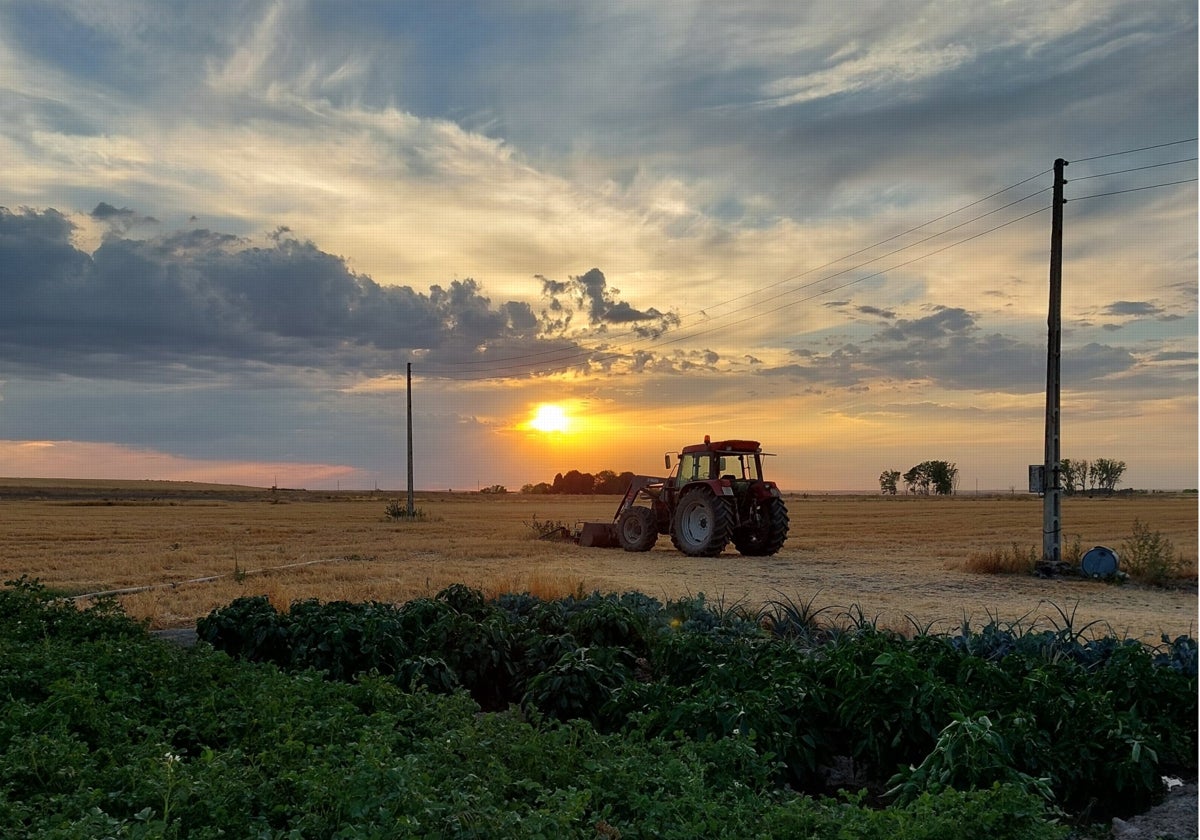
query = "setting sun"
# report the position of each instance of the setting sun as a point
(550, 418)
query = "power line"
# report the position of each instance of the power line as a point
(1133, 169)
(1135, 189)
(1132, 151)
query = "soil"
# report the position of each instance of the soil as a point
(1173, 819)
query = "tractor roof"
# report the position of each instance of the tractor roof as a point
(723, 446)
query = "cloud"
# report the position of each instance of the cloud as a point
(942, 322)
(204, 302)
(1135, 308)
(875, 310)
(591, 294)
(946, 350)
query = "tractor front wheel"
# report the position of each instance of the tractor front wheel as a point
(767, 531)
(702, 523)
(637, 529)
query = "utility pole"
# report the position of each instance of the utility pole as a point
(1051, 469)
(408, 392)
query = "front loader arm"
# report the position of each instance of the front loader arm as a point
(648, 484)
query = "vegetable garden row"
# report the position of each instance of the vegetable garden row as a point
(606, 716)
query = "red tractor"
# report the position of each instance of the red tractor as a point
(714, 494)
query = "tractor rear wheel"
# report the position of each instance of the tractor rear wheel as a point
(767, 531)
(702, 523)
(638, 529)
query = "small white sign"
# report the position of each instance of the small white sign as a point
(1037, 480)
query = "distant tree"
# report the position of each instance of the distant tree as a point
(927, 477)
(942, 475)
(608, 483)
(605, 482)
(915, 481)
(887, 482)
(1105, 473)
(574, 483)
(1074, 475)
(495, 489)
(1068, 472)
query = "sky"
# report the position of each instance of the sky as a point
(229, 228)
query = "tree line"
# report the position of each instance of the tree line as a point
(1079, 476)
(938, 478)
(576, 483)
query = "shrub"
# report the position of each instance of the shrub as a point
(545, 529)
(1150, 557)
(398, 512)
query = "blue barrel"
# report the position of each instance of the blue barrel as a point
(1099, 562)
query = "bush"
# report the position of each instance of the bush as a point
(1150, 557)
(398, 512)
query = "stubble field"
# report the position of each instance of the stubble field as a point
(900, 561)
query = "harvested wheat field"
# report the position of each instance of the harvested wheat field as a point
(903, 561)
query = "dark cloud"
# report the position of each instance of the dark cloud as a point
(946, 350)
(590, 294)
(204, 301)
(105, 210)
(875, 310)
(942, 322)
(121, 220)
(1135, 308)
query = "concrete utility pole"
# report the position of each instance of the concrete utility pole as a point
(408, 391)
(1051, 479)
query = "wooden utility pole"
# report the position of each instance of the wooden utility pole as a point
(1051, 469)
(408, 392)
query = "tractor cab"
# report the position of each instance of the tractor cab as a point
(727, 461)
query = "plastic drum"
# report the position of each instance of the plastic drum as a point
(1099, 562)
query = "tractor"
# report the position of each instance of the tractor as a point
(714, 494)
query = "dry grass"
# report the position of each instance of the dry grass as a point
(1003, 561)
(891, 557)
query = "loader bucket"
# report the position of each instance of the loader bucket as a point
(599, 535)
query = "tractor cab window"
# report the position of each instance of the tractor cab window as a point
(743, 467)
(694, 467)
(751, 467)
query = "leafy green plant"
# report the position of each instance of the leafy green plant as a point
(578, 684)
(972, 753)
(611, 624)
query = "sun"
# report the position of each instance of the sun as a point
(550, 418)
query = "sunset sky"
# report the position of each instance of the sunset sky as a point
(228, 227)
